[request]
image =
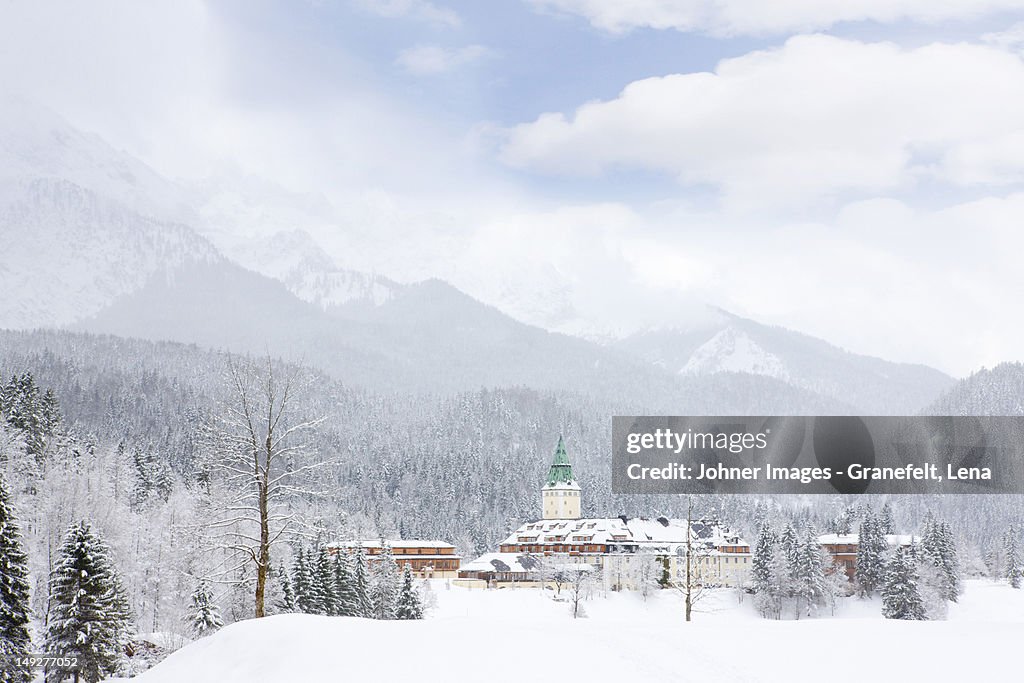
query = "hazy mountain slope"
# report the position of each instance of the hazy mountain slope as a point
(294, 258)
(999, 391)
(428, 338)
(735, 344)
(68, 252)
(35, 142)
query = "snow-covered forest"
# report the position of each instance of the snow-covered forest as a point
(117, 433)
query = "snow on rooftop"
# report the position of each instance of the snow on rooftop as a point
(615, 530)
(854, 539)
(403, 543)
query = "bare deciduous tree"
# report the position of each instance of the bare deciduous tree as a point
(258, 448)
(691, 584)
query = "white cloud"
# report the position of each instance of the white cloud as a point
(433, 59)
(815, 117)
(746, 17)
(1011, 38)
(418, 10)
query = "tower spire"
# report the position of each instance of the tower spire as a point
(560, 471)
(561, 493)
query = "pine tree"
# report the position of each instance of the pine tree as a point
(302, 583)
(871, 546)
(1011, 557)
(361, 587)
(205, 615)
(886, 521)
(90, 617)
(287, 602)
(764, 575)
(789, 544)
(325, 584)
(344, 589)
(761, 564)
(409, 604)
(901, 597)
(938, 548)
(15, 640)
(811, 588)
(385, 586)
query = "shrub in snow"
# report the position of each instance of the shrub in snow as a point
(204, 615)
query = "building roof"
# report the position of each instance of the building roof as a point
(521, 563)
(401, 543)
(657, 534)
(560, 472)
(854, 539)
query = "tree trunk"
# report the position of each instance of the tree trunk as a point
(689, 554)
(263, 562)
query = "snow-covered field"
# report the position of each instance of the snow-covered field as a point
(517, 635)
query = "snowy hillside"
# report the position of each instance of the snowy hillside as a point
(999, 391)
(728, 343)
(36, 142)
(294, 258)
(473, 634)
(733, 350)
(69, 253)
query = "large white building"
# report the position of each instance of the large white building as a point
(615, 545)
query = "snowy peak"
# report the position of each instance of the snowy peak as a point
(731, 344)
(733, 350)
(37, 143)
(293, 258)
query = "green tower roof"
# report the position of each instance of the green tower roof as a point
(560, 471)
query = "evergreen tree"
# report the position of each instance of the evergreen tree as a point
(886, 521)
(1011, 557)
(362, 607)
(90, 617)
(385, 586)
(325, 584)
(302, 583)
(204, 615)
(409, 604)
(789, 544)
(344, 588)
(761, 564)
(871, 546)
(765, 574)
(14, 597)
(901, 597)
(287, 602)
(938, 548)
(811, 586)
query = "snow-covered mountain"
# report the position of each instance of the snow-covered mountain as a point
(725, 343)
(68, 252)
(61, 184)
(996, 391)
(732, 350)
(94, 238)
(293, 258)
(35, 142)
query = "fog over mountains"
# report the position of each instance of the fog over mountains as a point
(97, 241)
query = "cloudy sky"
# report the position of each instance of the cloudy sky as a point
(853, 170)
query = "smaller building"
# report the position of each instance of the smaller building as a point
(843, 548)
(426, 559)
